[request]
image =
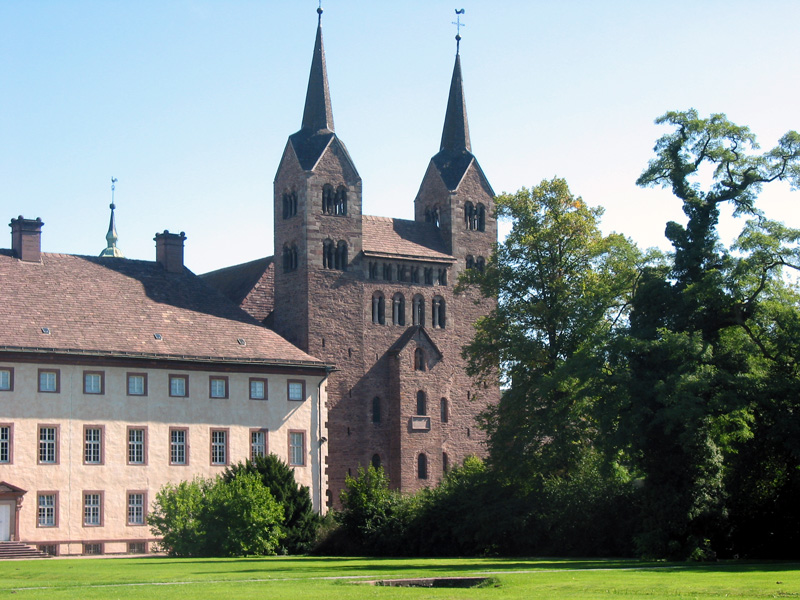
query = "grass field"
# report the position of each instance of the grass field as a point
(322, 578)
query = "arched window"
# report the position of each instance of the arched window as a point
(341, 256)
(432, 215)
(327, 199)
(328, 254)
(414, 274)
(422, 404)
(422, 466)
(289, 258)
(480, 218)
(376, 461)
(444, 410)
(340, 201)
(469, 215)
(480, 263)
(373, 270)
(418, 310)
(399, 309)
(428, 275)
(289, 204)
(387, 271)
(419, 359)
(376, 410)
(439, 317)
(445, 463)
(470, 262)
(378, 309)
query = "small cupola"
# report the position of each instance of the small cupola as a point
(26, 238)
(111, 237)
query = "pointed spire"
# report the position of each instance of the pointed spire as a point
(455, 135)
(318, 115)
(111, 237)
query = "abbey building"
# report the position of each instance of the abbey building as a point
(374, 296)
(118, 376)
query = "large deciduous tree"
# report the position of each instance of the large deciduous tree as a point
(709, 358)
(561, 288)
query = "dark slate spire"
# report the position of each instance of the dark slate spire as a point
(455, 135)
(318, 115)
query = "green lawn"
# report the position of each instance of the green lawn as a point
(322, 578)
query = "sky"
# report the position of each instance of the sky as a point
(189, 104)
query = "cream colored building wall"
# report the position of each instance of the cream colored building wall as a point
(114, 411)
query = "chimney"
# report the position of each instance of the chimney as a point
(26, 238)
(169, 250)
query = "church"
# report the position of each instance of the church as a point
(374, 296)
(342, 349)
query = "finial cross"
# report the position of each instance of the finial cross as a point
(459, 25)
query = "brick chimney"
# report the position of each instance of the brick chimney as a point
(26, 238)
(169, 250)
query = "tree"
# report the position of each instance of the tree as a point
(562, 288)
(691, 373)
(177, 517)
(300, 521)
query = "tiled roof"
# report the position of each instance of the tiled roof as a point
(115, 306)
(237, 281)
(399, 238)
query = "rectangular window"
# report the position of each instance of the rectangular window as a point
(137, 384)
(258, 388)
(137, 449)
(92, 445)
(136, 505)
(296, 390)
(6, 447)
(92, 509)
(48, 444)
(93, 382)
(48, 509)
(49, 380)
(137, 547)
(6, 379)
(92, 549)
(178, 444)
(218, 387)
(219, 446)
(297, 448)
(258, 443)
(179, 386)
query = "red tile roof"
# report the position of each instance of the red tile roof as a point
(115, 306)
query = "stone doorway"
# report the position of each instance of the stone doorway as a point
(10, 503)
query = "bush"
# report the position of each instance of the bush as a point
(300, 522)
(213, 517)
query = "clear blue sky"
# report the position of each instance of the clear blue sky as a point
(189, 104)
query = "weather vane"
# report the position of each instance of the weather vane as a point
(113, 181)
(458, 24)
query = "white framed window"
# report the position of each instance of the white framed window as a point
(6, 379)
(136, 504)
(49, 380)
(92, 445)
(258, 388)
(219, 446)
(296, 390)
(218, 387)
(178, 444)
(136, 446)
(258, 443)
(297, 448)
(93, 382)
(137, 384)
(92, 509)
(179, 386)
(47, 509)
(5, 444)
(48, 445)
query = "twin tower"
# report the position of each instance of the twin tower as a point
(374, 296)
